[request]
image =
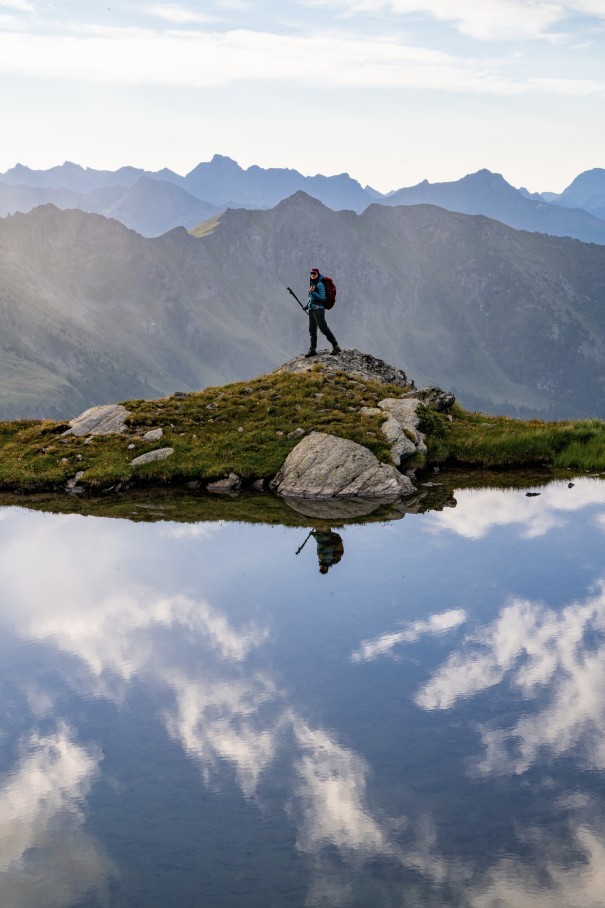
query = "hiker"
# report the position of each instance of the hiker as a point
(317, 313)
(329, 548)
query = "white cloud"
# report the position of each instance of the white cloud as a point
(481, 19)
(550, 657)
(179, 15)
(553, 881)
(41, 826)
(331, 792)
(385, 643)
(483, 509)
(204, 59)
(222, 718)
(191, 530)
(22, 5)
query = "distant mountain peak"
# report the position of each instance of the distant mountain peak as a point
(487, 177)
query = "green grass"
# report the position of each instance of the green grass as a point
(241, 428)
(244, 427)
(473, 439)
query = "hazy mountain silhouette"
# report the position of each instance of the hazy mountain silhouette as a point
(149, 206)
(152, 203)
(91, 312)
(489, 194)
(587, 191)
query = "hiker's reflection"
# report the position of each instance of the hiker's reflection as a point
(329, 548)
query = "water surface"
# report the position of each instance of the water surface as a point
(195, 715)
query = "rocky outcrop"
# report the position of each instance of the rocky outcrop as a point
(107, 419)
(404, 414)
(325, 466)
(400, 428)
(360, 365)
(432, 397)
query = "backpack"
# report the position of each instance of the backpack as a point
(330, 292)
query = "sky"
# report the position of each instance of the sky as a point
(390, 91)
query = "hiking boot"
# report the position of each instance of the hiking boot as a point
(311, 352)
(335, 349)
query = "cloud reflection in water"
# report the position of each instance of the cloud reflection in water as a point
(47, 860)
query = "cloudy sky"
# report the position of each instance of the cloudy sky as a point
(390, 91)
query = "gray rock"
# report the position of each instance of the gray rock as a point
(297, 433)
(108, 419)
(325, 466)
(434, 398)
(225, 486)
(71, 484)
(401, 446)
(357, 364)
(153, 435)
(152, 456)
(405, 412)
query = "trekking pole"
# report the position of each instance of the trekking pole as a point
(289, 289)
(300, 548)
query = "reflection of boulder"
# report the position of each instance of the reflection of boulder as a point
(335, 509)
(325, 466)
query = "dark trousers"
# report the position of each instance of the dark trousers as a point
(317, 319)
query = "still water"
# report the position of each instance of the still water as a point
(196, 715)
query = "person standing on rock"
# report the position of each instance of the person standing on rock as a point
(317, 313)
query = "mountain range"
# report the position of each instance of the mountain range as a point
(92, 312)
(154, 202)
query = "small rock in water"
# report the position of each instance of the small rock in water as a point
(226, 485)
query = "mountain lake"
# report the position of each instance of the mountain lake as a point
(403, 712)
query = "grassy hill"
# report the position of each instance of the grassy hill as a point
(247, 427)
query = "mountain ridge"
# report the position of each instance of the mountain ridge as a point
(511, 321)
(222, 183)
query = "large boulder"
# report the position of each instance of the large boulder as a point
(107, 419)
(325, 466)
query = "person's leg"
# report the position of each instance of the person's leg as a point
(312, 333)
(320, 317)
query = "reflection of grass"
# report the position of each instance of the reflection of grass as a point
(241, 428)
(496, 441)
(184, 506)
